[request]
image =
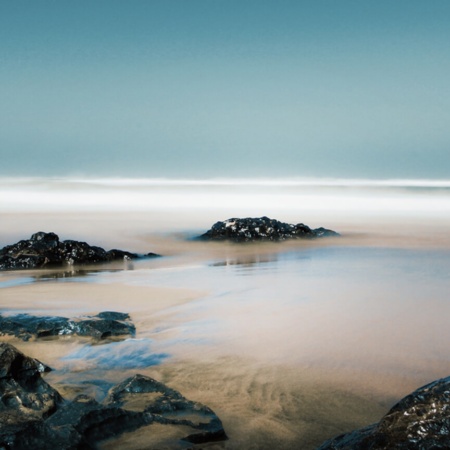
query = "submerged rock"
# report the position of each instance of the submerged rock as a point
(34, 415)
(45, 249)
(421, 420)
(105, 324)
(262, 229)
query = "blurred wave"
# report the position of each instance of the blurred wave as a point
(248, 196)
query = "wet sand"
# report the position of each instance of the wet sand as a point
(288, 343)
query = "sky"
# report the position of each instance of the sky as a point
(225, 88)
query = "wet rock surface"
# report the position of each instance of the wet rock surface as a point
(25, 398)
(46, 250)
(49, 422)
(421, 420)
(167, 406)
(103, 325)
(261, 229)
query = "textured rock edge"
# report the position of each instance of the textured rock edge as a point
(421, 420)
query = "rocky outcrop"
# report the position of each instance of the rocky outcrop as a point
(25, 398)
(46, 250)
(34, 415)
(262, 229)
(419, 421)
(105, 324)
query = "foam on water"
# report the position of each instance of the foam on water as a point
(251, 196)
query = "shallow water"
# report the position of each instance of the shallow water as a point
(288, 343)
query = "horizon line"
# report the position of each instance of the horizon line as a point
(238, 181)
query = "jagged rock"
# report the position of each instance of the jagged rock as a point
(25, 398)
(101, 326)
(170, 407)
(419, 421)
(49, 422)
(262, 229)
(45, 249)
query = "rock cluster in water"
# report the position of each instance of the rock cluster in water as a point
(33, 415)
(262, 229)
(419, 421)
(45, 249)
(103, 325)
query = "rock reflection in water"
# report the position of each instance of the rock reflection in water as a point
(128, 354)
(70, 273)
(248, 260)
(273, 262)
(74, 272)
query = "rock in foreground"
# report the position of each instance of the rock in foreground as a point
(34, 415)
(262, 229)
(103, 325)
(419, 421)
(45, 249)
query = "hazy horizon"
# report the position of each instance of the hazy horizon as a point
(207, 89)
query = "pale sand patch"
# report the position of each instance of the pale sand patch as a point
(77, 297)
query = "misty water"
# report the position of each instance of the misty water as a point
(289, 343)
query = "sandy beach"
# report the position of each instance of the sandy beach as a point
(289, 343)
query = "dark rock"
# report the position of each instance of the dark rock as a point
(420, 421)
(45, 250)
(86, 421)
(152, 255)
(170, 407)
(120, 254)
(113, 315)
(262, 229)
(25, 398)
(41, 419)
(103, 328)
(105, 324)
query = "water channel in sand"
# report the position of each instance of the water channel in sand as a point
(288, 343)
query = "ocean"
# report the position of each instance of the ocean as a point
(289, 343)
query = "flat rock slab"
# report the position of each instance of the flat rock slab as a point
(46, 250)
(261, 229)
(40, 418)
(103, 325)
(419, 421)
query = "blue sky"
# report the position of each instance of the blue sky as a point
(207, 88)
